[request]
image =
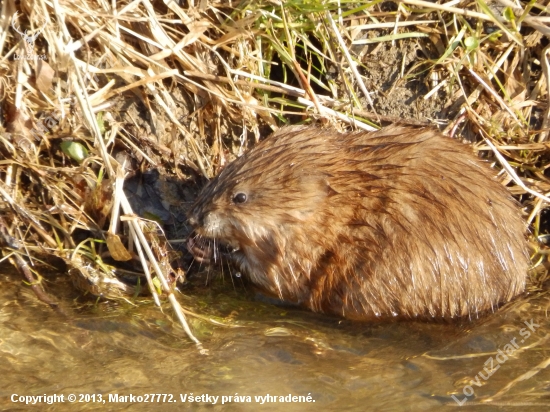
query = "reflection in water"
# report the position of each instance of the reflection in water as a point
(135, 350)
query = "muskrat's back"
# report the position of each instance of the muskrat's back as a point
(400, 222)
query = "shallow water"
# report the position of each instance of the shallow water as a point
(111, 349)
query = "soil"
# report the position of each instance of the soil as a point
(387, 70)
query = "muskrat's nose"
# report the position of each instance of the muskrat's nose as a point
(197, 218)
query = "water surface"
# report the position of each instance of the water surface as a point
(118, 349)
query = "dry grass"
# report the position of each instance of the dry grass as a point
(216, 76)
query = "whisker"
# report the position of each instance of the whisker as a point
(215, 250)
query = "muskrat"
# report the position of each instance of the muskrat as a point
(401, 222)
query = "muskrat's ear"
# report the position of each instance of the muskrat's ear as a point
(313, 192)
(317, 186)
(314, 185)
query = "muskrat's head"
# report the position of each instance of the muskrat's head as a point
(256, 203)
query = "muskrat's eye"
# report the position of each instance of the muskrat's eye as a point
(239, 198)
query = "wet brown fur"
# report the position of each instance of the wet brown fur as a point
(400, 222)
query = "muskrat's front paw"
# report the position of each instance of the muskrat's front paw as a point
(201, 249)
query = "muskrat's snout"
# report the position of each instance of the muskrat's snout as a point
(195, 217)
(204, 243)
